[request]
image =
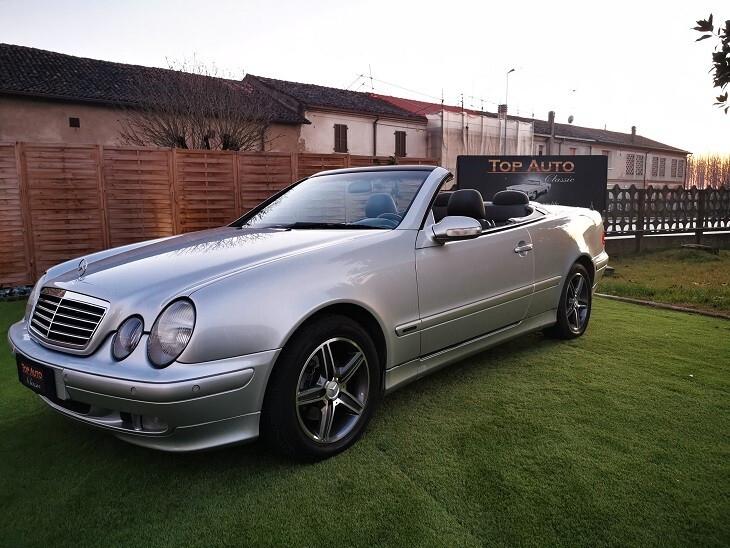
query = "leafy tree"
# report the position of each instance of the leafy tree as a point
(720, 56)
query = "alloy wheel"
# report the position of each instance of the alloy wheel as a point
(332, 391)
(577, 302)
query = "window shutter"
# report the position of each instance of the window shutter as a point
(340, 138)
(400, 143)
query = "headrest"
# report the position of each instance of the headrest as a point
(378, 204)
(510, 197)
(442, 199)
(467, 203)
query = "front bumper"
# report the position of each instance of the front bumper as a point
(184, 407)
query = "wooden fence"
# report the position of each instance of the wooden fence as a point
(62, 201)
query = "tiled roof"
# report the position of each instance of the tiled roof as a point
(312, 96)
(602, 136)
(40, 73)
(541, 127)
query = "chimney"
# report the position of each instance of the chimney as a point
(551, 122)
(633, 132)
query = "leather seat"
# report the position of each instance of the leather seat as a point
(468, 203)
(440, 205)
(379, 204)
(507, 204)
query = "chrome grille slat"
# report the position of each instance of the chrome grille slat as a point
(59, 315)
(67, 334)
(39, 314)
(71, 308)
(66, 319)
(57, 323)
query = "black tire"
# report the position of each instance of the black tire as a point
(289, 426)
(573, 319)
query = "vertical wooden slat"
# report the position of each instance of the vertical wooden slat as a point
(174, 192)
(103, 206)
(236, 184)
(26, 212)
(294, 166)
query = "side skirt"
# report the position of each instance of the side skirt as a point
(405, 373)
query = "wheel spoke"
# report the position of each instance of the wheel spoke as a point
(310, 395)
(579, 287)
(577, 318)
(328, 417)
(351, 402)
(329, 361)
(350, 368)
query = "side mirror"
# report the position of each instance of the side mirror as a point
(454, 228)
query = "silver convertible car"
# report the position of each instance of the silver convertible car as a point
(294, 321)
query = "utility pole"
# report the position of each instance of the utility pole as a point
(506, 102)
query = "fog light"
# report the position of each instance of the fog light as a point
(153, 424)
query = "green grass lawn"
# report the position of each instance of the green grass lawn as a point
(619, 438)
(686, 277)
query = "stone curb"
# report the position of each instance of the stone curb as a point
(664, 306)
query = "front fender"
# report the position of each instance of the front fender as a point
(259, 309)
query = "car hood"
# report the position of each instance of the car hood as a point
(161, 269)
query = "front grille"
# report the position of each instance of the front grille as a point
(65, 318)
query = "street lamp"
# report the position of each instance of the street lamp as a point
(506, 98)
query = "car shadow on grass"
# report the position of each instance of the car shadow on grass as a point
(77, 441)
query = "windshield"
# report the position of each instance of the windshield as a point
(359, 200)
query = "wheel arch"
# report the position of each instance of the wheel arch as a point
(359, 313)
(586, 262)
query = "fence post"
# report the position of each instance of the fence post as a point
(173, 192)
(103, 205)
(640, 219)
(25, 211)
(294, 162)
(236, 184)
(700, 215)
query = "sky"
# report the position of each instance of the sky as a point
(608, 64)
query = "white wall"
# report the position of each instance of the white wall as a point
(468, 133)
(319, 136)
(617, 162)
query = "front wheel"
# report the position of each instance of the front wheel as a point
(323, 390)
(574, 310)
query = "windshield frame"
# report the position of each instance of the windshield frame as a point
(241, 221)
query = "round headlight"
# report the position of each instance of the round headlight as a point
(127, 337)
(171, 333)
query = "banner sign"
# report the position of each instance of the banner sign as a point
(567, 180)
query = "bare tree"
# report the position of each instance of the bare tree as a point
(191, 106)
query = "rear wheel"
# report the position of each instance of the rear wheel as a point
(323, 390)
(574, 310)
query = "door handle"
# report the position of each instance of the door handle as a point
(522, 247)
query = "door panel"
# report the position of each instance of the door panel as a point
(471, 287)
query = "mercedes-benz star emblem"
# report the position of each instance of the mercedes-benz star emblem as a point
(83, 265)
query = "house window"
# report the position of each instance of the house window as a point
(654, 166)
(74, 122)
(340, 138)
(572, 151)
(680, 169)
(674, 167)
(639, 165)
(540, 150)
(662, 167)
(630, 159)
(400, 143)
